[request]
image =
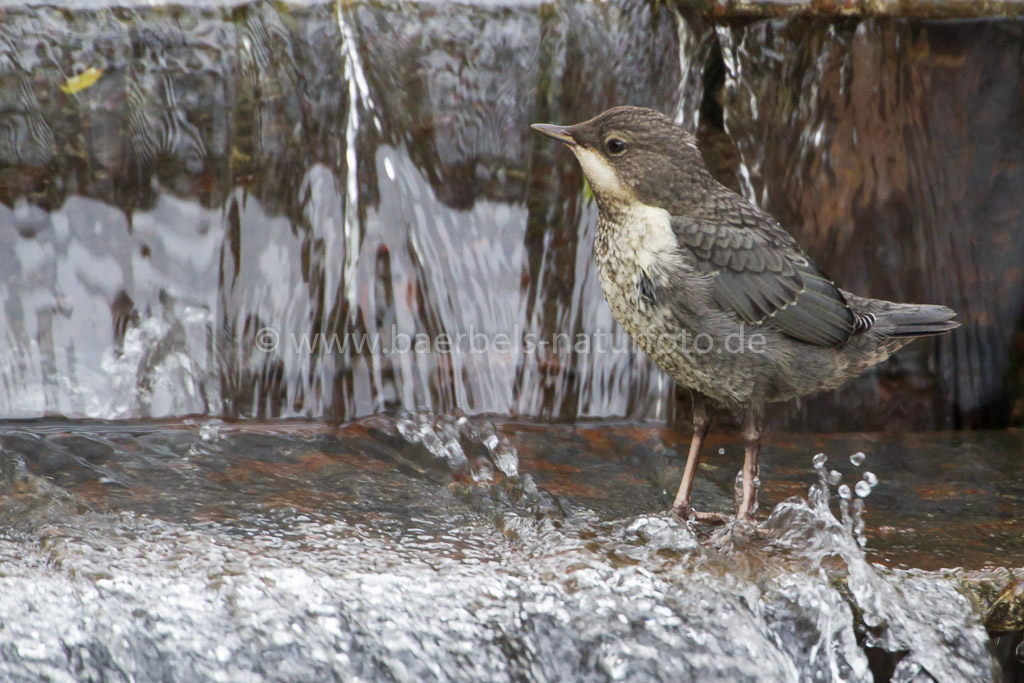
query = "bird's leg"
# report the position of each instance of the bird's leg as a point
(701, 422)
(753, 428)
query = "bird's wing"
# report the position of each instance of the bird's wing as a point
(761, 275)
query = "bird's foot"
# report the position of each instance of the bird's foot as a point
(711, 517)
(684, 511)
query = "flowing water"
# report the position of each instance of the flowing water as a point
(190, 195)
(420, 548)
(304, 171)
(269, 210)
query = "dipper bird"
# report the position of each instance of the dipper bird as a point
(715, 291)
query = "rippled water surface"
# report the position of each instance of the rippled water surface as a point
(426, 548)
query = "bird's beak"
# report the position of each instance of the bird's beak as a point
(560, 133)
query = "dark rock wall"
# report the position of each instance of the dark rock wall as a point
(892, 150)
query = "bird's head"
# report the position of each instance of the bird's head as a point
(632, 154)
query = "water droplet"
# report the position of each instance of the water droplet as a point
(862, 488)
(858, 458)
(844, 492)
(871, 479)
(834, 477)
(721, 451)
(819, 460)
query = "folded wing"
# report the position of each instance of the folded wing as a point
(764, 278)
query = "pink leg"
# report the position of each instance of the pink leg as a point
(701, 423)
(753, 428)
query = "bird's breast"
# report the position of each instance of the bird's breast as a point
(653, 292)
(636, 251)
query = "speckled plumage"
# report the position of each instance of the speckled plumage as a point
(680, 301)
(681, 257)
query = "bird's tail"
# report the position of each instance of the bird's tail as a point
(912, 320)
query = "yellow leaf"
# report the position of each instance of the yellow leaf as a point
(82, 81)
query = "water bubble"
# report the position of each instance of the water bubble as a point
(834, 477)
(863, 489)
(844, 492)
(871, 479)
(858, 458)
(721, 451)
(819, 460)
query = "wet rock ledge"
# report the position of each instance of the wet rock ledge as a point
(1000, 593)
(740, 10)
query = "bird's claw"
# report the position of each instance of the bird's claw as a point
(684, 511)
(711, 517)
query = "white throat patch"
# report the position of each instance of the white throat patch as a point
(602, 176)
(640, 235)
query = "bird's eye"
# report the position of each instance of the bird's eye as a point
(615, 145)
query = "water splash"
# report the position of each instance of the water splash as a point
(444, 435)
(901, 611)
(363, 552)
(163, 367)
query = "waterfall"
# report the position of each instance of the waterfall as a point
(323, 173)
